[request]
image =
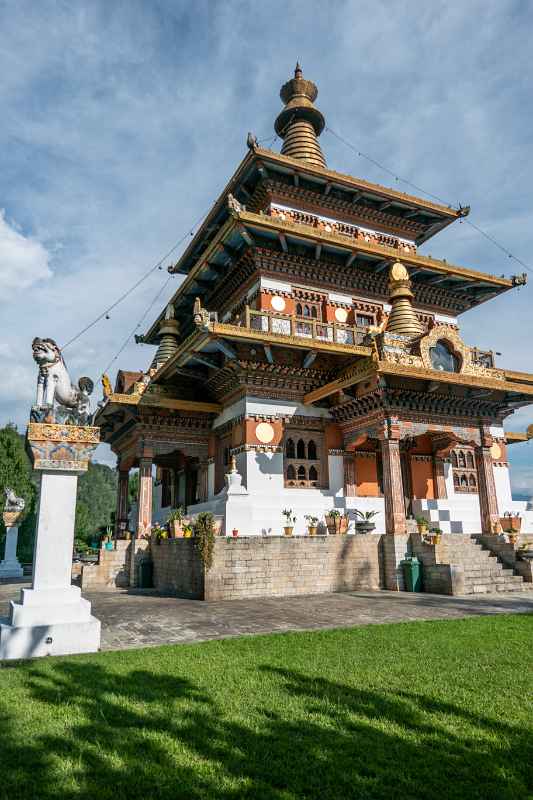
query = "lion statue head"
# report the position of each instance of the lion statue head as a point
(45, 351)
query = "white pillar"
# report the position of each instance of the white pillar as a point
(10, 566)
(52, 618)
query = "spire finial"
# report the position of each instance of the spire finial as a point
(402, 319)
(300, 123)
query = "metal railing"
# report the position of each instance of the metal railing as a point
(304, 327)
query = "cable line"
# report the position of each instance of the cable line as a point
(428, 194)
(141, 280)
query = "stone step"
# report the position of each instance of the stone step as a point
(491, 588)
(485, 573)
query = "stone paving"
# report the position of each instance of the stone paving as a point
(143, 618)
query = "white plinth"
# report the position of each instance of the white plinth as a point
(10, 566)
(51, 618)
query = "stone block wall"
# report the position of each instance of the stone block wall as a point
(114, 568)
(271, 566)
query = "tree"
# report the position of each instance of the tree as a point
(96, 501)
(16, 472)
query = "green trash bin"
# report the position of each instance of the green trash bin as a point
(412, 573)
(146, 575)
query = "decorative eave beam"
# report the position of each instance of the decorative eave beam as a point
(347, 378)
(403, 370)
(358, 184)
(514, 437)
(303, 231)
(158, 401)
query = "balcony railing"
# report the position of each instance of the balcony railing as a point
(286, 325)
(482, 358)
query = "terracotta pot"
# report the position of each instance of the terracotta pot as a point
(311, 529)
(176, 529)
(235, 533)
(511, 524)
(288, 529)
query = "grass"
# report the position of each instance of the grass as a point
(415, 710)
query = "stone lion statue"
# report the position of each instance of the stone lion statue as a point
(55, 391)
(13, 503)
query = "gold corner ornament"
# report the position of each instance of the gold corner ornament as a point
(54, 432)
(61, 448)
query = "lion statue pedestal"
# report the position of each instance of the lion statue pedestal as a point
(13, 515)
(52, 618)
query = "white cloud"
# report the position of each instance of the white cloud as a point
(23, 260)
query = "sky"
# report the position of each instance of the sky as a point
(122, 121)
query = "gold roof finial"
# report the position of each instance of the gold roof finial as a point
(402, 318)
(300, 123)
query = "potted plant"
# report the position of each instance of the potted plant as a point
(312, 523)
(436, 534)
(511, 523)
(175, 522)
(365, 524)
(235, 532)
(525, 551)
(422, 524)
(159, 533)
(336, 522)
(108, 538)
(187, 531)
(204, 537)
(290, 520)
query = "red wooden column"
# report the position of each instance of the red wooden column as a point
(395, 520)
(440, 479)
(144, 507)
(488, 501)
(349, 475)
(121, 515)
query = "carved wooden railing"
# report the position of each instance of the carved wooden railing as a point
(304, 327)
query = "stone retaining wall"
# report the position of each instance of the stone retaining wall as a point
(271, 566)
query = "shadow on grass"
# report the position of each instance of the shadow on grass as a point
(146, 735)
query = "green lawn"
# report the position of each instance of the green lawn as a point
(416, 710)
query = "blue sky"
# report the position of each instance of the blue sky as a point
(121, 122)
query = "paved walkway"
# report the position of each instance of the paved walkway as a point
(142, 619)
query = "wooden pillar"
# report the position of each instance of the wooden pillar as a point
(488, 501)
(144, 506)
(121, 515)
(350, 489)
(440, 479)
(395, 521)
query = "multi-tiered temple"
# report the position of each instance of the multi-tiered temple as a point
(311, 340)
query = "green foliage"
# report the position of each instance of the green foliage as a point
(96, 502)
(16, 472)
(204, 532)
(177, 515)
(366, 515)
(133, 487)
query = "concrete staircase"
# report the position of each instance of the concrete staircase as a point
(461, 565)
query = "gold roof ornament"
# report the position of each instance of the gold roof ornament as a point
(402, 318)
(300, 123)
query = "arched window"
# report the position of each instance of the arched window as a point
(462, 459)
(307, 312)
(300, 449)
(470, 460)
(472, 481)
(454, 459)
(299, 309)
(291, 473)
(301, 474)
(314, 312)
(289, 448)
(313, 474)
(311, 450)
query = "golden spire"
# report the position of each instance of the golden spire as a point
(402, 318)
(300, 123)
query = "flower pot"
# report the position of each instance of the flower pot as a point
(436, 538)
(364, 527)
(235, 533)
(422, 529)
(511, 524)
(333, 524)
(108, 545)
(343, 527)
(187, 534)
(513, 538)
(311, 529)
(176, 529)
(288, 529)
